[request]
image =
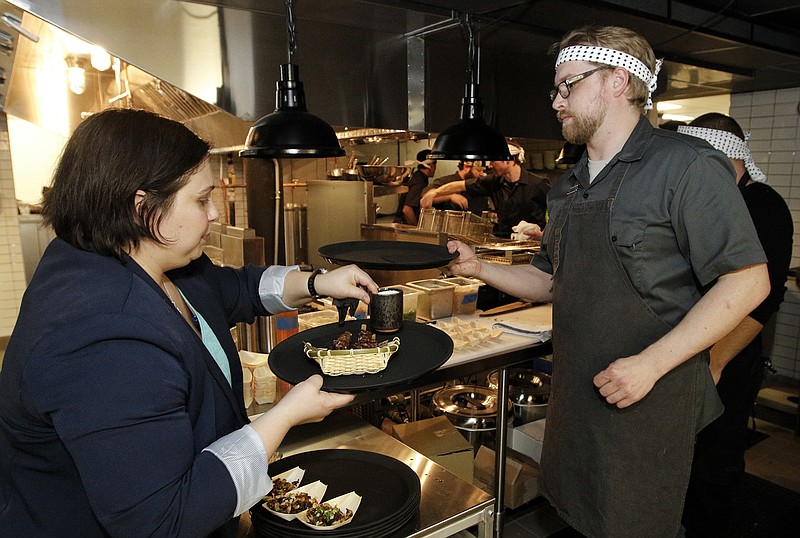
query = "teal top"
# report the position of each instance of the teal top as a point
(210, 341)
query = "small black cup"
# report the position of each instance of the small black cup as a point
(386, 310)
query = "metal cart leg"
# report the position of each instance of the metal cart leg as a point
(500, 453)
(414, 405)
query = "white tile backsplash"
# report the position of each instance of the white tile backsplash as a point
(773, 119)
(12, 272)
(764, 98)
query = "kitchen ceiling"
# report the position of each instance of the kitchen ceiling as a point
(711, 47)
(401, 64)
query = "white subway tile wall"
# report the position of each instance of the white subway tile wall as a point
(12, 269)
(773, 119)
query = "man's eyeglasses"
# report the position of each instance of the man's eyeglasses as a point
(563, 88)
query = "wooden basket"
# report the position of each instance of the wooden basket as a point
(352, 361)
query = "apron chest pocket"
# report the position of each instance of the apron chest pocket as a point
(628, 235)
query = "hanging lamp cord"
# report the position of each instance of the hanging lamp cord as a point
(473, 51)
(291, 29)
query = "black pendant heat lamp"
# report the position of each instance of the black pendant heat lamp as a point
(471, 139)
(291, 132)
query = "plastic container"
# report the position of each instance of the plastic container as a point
(315, 319)
(436, 299)
(410, 301)
(465, 294)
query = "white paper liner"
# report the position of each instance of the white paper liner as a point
(316, 490)
(295, 474)
(468, 333)
(344, 502)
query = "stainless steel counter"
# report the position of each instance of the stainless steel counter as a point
(501, 353)
(448, 504)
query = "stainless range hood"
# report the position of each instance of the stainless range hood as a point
(373, 63)
(41, 92)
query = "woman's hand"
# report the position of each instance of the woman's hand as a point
(307, 403)
(303, 404)
(347, 281)
(467, 263)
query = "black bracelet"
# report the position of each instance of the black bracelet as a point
(311, 289)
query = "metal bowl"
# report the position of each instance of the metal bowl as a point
(469, 407)
(383, 175)
(528, 390)
(347, 174)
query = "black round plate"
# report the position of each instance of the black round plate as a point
(389, 489)
(423, 349)
(388, 255)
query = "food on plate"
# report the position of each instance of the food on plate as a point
(281, 487)
(325, 515)
(292, 503)
(365, 340)
(342, 341)
(365, 356)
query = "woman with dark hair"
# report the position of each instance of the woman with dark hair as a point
(121, 406)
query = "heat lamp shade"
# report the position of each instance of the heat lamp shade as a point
(470, 139)
(291, 134)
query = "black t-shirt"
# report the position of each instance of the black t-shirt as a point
(416, 184)
(773, 222)
(477, 204)
(525, 199)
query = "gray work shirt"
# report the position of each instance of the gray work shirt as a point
(678, 220)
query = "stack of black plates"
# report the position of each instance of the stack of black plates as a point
(389, 490)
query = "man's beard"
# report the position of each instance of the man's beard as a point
(584, 126)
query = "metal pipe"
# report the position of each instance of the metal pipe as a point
(501, 439)
(278, 211)
(435, 27)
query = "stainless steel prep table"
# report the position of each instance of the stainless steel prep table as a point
(507, 350)
(448, 504)
(501, 353)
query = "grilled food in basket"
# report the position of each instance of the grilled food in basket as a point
(368, 357)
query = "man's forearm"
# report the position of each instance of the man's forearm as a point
(719, 311)
(454, 187)
(629, 379)
(732, 344)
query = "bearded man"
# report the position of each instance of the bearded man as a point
(636, 226)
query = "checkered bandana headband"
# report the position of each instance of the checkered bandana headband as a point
(603, 55)
(729, 144)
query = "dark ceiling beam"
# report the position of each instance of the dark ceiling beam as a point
(720, 23)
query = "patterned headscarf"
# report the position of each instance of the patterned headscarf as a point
(517, 151)
(603, 55)
(729, 144)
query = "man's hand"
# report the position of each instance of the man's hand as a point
(458, 200)
(467, 263)
(426, 202)
(627, 380)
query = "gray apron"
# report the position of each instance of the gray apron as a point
(608, 471)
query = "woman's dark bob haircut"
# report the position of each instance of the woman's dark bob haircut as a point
(110, 156)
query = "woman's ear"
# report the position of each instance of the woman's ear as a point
(138, 199)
